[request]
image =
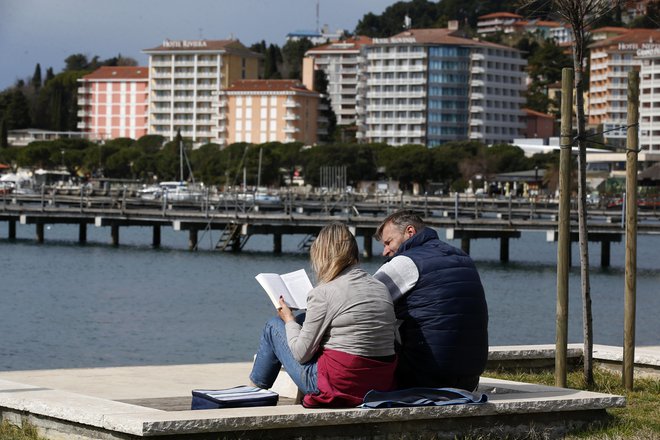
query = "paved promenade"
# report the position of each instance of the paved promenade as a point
(154, 401)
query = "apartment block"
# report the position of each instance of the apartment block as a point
(431, 86)
(113, 102)
(341, 63)
(611, 60)
(505, 22)
(649, 98)
(258, 111)
(185, 80)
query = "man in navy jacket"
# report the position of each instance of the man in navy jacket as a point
(440, 300)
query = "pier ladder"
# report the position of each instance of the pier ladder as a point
(231, 238)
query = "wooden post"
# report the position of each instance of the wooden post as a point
(11, 225)
(277, 242)
(465, 244)
(40, 232)
(82, 232)
(631, 231)
(564, 226)
(504, 249)
(192, 239)
(114, 232)
(605, 253)
(368, 245)
(155, 239)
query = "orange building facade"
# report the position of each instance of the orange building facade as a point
(114, 102)
(611, 61)
(258, 111)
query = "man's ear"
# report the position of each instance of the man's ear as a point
(410, 231)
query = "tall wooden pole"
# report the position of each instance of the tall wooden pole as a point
(564, 226)
(631, 231)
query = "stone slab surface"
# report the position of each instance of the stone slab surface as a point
(644, 356)
(91, 397)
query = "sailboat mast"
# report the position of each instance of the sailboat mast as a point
(181, 159)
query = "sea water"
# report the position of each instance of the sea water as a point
(65, 305)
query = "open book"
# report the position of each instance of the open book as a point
(292, 286)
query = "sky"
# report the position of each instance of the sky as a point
(48, 31)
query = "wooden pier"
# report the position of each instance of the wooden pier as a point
(238, 218)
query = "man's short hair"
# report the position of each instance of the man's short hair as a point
(401, 219)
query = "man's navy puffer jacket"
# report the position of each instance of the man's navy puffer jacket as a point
(445, 328)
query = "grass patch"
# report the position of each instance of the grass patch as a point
(13, 432)
(640, 419)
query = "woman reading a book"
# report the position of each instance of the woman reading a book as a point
(345, 345)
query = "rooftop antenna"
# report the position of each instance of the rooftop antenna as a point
(318, 29)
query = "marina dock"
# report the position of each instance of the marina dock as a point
(237, 218)
(154, 402)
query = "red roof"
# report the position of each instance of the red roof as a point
(354, 43)
(639, 36)
(530, 112)
(119, 72)
(231, 46)
(443, 36)
(612, 29)
(499, 15)
(545, 23)
(268, 85)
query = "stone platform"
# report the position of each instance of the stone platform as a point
(154, 401)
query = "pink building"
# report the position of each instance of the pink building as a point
(114, 102)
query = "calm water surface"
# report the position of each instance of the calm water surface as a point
(66, 305)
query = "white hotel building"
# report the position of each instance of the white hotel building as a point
(185, 79)
(611, 61)
(649, 99)
(431, 86)
(341, 63)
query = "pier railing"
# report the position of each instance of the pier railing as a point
(463, 217)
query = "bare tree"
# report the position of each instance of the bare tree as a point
(580, 14)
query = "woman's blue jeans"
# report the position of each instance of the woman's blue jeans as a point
(274, 353)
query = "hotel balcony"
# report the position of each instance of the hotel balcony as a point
(291, 129)
(397, 56)
(161, 63)
(84, 90)
(396, 133)
(83, 124)
(291, 104)
(410, 94)
(403, 68)
(83, 113)
(207, 62)
(291, 116)
(207, 74)
(84, 101)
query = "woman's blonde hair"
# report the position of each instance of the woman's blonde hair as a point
(334, 250)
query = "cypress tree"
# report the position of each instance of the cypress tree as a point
(36, 77)
(4, 134)
(49, 75)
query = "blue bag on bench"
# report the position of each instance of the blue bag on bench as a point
(240, 396)
(420, 397)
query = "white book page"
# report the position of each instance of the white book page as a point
(299, 286)
(275, 287)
